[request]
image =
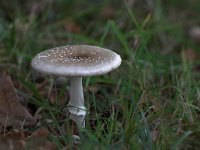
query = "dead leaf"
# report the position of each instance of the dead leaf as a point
(93, 89)
(41, 132)
(73, 147)
(131, 2)
(12, 140)
(108, 12)
(39, 140)
(194, 33)
(11, 110)
(35, 8)
(154, 135)
(72, 26)
(17, 140)
(189, 55)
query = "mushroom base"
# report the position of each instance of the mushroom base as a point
(77, 115)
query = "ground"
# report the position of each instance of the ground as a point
(152, 101)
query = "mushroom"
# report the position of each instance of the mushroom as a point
(76, 61)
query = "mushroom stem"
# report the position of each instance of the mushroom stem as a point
(76, 104)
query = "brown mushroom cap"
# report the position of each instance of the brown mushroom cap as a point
(76, 60)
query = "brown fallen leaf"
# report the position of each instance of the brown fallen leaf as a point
(189, 55)
(92, 89)
(41, 132)
(154, 135)
(108, 12)
(73, 147)
(17, 140)
(12, 140)
(39, 140)
(194, 34)
(72, 27)
(12, 113)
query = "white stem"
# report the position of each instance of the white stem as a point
(76, 104)
(76, 92)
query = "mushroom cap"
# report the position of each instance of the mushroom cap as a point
(76, 60)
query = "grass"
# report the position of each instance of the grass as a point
(150, 102)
